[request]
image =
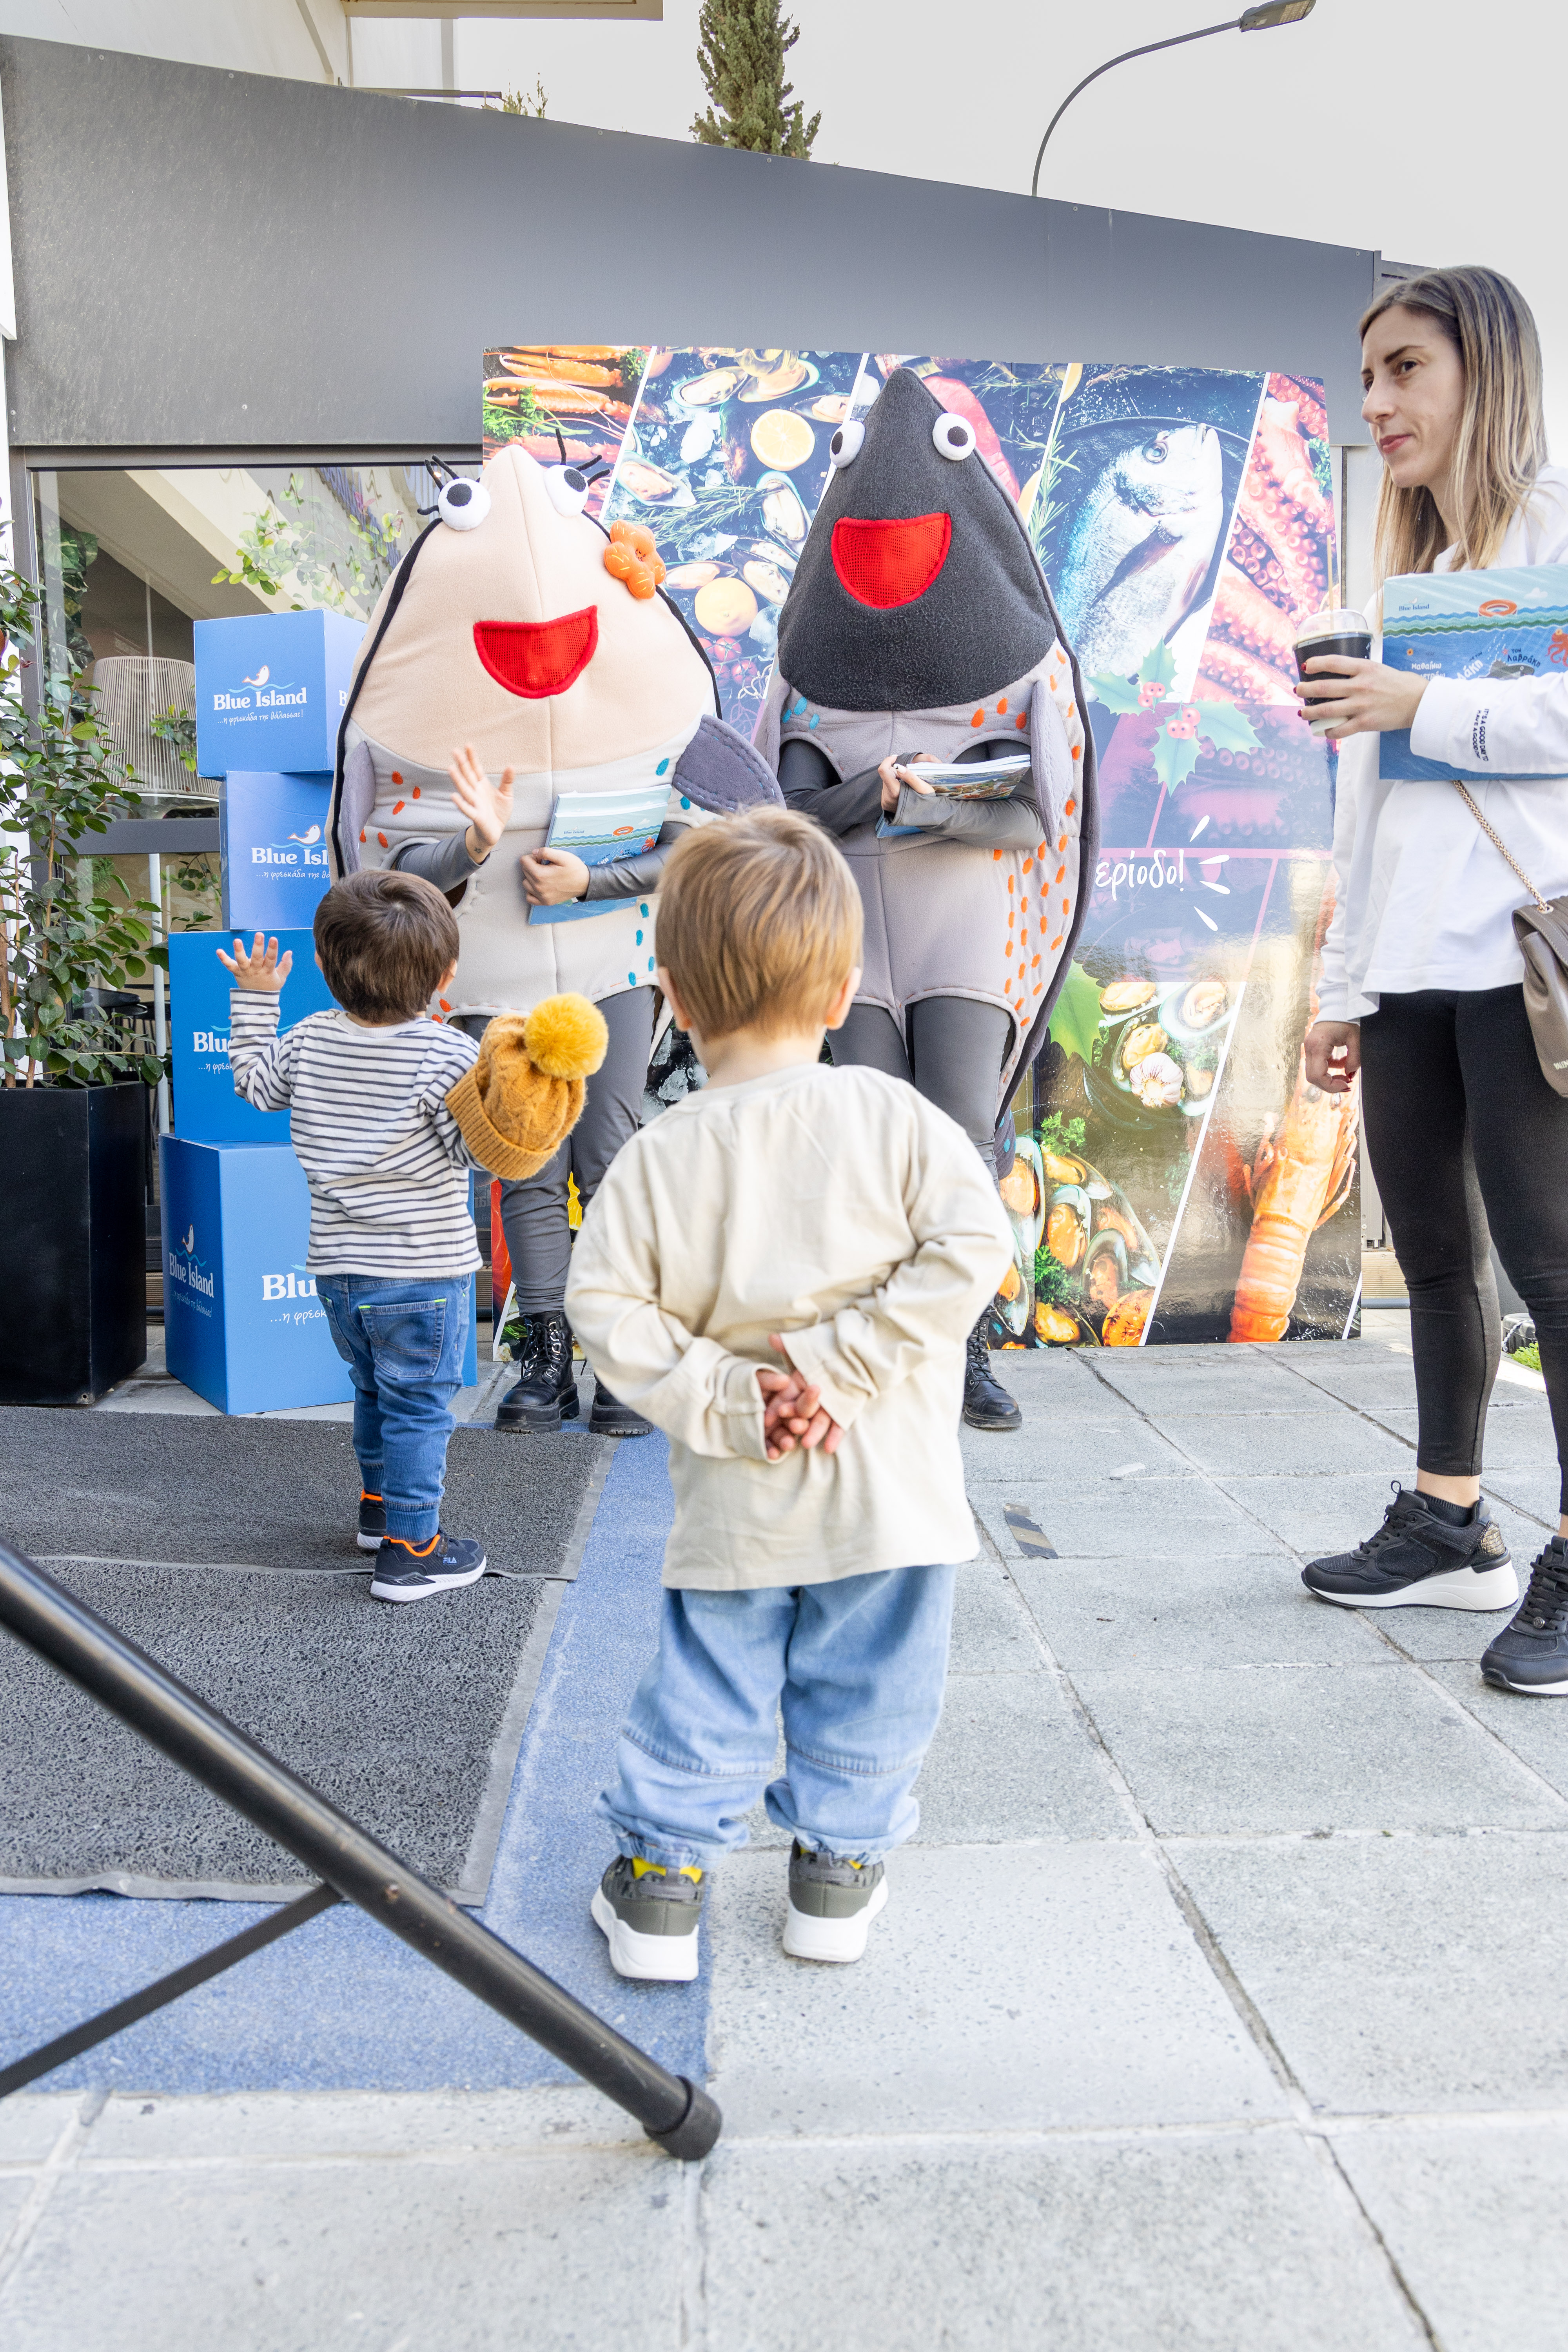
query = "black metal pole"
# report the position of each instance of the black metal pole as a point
(675, 2112)
(1175, 41)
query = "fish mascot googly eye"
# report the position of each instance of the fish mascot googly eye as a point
(519, 631)
(919, 625)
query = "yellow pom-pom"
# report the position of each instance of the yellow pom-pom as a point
(566, 1037)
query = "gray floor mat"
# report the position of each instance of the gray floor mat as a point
(408, 1718)
(283, 1494)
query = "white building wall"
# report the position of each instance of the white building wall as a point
(303, 40)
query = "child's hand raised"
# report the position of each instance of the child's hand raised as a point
(485, 806)
(263, 970)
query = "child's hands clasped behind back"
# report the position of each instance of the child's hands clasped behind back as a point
(792, 1414)
(261, 969)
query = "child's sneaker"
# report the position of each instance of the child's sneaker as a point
(831, 1906)
(372, 1523)
(405, 1573)
(650, 1917)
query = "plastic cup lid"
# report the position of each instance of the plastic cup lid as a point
(1341, 624)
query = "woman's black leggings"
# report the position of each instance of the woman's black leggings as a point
(956, 1049)
(1463, 1134)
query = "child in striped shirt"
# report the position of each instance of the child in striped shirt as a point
(391, 1242)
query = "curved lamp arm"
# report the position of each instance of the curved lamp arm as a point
(1254, 20)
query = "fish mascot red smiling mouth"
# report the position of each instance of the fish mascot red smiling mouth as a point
(537, 658)
(885, 565)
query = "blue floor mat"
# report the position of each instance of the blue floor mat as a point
(341, 2006)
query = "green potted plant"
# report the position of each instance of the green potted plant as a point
(72, 1085)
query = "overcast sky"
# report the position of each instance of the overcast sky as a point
(1396, 124)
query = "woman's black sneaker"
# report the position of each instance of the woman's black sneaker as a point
(372, 1532)
(406, 1572)
(1417, 1558)
(1531, 1654)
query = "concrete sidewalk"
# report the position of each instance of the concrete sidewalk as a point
(1220, 2000)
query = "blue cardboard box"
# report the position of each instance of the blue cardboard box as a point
(207, 1109)
(271, 688)
(274, 849)
(242, 1323)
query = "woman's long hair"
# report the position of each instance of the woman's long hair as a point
(1502, 442)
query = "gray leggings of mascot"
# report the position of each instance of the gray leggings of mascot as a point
(533, 1215)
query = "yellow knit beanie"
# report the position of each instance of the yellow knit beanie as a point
(524, 1094)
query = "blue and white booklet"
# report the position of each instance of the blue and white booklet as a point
(1506, 623)
(599, 827)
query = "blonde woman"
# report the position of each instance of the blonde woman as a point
(1423, 982)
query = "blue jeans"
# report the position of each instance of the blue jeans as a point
(404, 1342)
(857, 1667)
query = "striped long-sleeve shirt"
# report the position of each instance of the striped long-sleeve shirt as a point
(387, 1168)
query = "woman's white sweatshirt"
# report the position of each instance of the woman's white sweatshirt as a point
(1424, 901)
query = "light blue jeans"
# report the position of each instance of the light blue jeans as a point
(857, 1668)
(404, 1342)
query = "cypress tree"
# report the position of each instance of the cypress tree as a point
(740, 50)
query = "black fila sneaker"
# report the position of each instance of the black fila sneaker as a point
(406, 1572)
(1418, 1560)
(372, 1532)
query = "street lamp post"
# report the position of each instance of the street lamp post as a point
(1252, 20)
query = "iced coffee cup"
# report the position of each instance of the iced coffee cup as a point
(1335, 632)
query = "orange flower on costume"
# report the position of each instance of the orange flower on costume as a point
(632, 557)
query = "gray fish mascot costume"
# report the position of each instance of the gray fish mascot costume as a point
(515, 625)
(918, 623)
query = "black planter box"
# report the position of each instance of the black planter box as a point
(73, 1285)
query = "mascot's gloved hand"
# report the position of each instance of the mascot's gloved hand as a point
(524, 1094)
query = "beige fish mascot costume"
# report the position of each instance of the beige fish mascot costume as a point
(919, 629)
(522, 653)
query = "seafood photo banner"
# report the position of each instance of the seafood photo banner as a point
(1173, 1176)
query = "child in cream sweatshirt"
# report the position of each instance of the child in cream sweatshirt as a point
(781, 1273)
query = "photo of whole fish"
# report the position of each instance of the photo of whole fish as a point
(1184, 520)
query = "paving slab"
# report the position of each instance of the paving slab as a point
(1249, 1611)
(1011, 1760)
(1473, 2216)
(1293, 1444)
(1176, 1518)
(1519, 1436)
(1160, 1381)
(472, 2257)
(1140, 2245)
(1375, 1378)
(1213, 1751)
(30, 2123)
(262, 2127)
(1003, 1988)
(992, 1631)
(1535, 1729)
(1323, 1513)
(1414, 1974)
(1076, 1458)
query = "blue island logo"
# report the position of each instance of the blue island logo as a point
(194, 1278)
(262, 692)
(297, 854)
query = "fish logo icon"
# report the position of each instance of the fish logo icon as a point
(262, 674)
(305, 840)
(189, 1242)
